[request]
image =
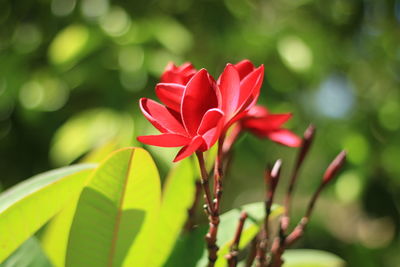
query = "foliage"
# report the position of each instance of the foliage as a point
(113, 215)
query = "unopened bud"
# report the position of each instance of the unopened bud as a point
(308, 138)
(276, 169)
(334, 167)
(272, 175)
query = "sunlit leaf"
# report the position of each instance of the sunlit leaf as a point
(30, 204)
(100, 153)
(30, 254)
(54, 239)
(113, 221)
(177, 198)
(311, 258)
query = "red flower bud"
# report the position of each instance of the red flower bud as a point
(334, 167)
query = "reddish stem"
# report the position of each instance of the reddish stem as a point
(252, 253)
(305, 147)
(271, 181)
(218, 174)
(298, 231)
(213, 215)
(234, 249)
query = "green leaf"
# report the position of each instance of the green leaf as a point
(311, 258)
(30, 204)
(54, 238)
(113, 221)
(190, 250)
(30, 254)
(178, 196)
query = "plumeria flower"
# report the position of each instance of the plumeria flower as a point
(238, 88)
(263, 124)
(196, 125)
(178, 74)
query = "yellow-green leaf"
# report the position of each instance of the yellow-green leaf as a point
(177, 198)
(30, 204)
(29, 254)
(112, 225)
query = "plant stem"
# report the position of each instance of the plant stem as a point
(252, 253)
(213, 215)
(298, 231)
(234, 249)
(218, 173)
(271, 181)
(305, 147)
(205, 183)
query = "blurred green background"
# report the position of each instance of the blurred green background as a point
(71, 74)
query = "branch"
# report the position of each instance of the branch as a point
(271, 179)
(234, 249)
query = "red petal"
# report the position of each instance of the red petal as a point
(178, 74)
(210, 120)
(160, 117)
(211, 126)
(268, 123)
(187, 67)
(164, 140)
(211, 136)
(277, 120)
(189, 149)
(229, 86)
(168, 74)
(257, 112)
(285, 137)
(198, 97)
(250, 88)
(244, 67)
(170, 94)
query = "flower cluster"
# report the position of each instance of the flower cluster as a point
(198, 110)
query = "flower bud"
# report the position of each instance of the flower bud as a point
(334, 167)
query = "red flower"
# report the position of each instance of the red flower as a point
(238, 87)
(194, 123)
(264, 124)
(178, 74)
